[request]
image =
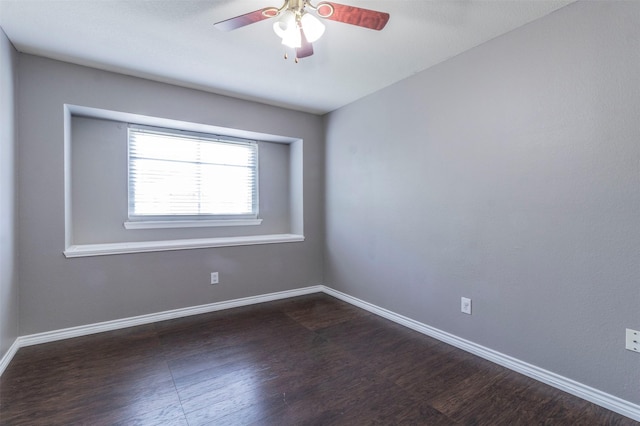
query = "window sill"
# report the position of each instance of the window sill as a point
(85, 250)
(165, 224)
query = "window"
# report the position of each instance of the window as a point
(184, 176)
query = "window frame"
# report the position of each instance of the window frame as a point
(189, 221)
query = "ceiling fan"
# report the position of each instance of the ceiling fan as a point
(299, 27)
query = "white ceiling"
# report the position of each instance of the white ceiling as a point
(175, 41)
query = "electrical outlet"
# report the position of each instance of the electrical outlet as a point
(214, 278)
(465, 305)
(633, 340)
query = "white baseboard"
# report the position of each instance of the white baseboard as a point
(8, 356)
(580, 390)
(83, 330)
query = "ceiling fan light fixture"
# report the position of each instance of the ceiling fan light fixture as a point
(292, 37)
(285, 23)
(312, 27)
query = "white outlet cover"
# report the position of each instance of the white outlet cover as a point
(465, 305)
(214, 278)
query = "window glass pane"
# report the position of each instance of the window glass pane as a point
(186, 175)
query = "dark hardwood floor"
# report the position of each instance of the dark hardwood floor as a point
(309, 360)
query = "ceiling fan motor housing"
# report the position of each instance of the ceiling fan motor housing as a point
(324, 10)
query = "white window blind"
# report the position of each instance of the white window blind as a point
(183, 175)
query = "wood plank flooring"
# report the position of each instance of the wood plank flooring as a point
(311, 360)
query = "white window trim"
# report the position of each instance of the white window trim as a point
(166, 224)
(87, 250)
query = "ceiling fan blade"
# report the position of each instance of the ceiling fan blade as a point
(353, 15)
(306, 49)
(246, 19)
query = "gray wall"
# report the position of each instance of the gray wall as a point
(508, 174)
(8, 277)
(57, 292)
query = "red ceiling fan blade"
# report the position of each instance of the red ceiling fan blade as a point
(353, 15)
(246, 19)
(306, 49)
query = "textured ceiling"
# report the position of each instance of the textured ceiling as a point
(175, 41)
